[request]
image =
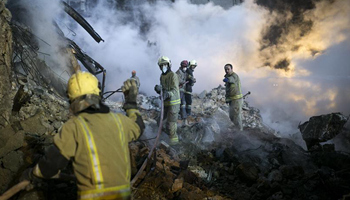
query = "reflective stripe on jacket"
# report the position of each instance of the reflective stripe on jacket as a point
(119, 192)
(170, 83)
(233, 87)
(98, 145)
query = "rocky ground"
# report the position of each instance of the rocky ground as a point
(212, 161)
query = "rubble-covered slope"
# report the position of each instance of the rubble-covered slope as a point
(215, 161)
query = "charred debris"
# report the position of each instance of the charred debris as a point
(214, 161)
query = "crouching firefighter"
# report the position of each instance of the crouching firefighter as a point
(96, 140)
(169, 85)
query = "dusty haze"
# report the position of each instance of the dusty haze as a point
(303, 71)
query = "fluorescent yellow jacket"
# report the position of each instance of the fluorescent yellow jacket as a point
(98, 146)
(233, 87)
(170, 83)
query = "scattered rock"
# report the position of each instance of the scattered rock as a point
(322, 128)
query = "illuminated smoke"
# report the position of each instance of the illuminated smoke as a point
(292, 55)
(301, 29)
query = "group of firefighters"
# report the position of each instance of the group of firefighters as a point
(96, 140)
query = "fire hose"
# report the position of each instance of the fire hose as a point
(13, 190)
(155, 142)
(23, 184)
(110, 93)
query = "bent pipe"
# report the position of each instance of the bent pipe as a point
(78, 18)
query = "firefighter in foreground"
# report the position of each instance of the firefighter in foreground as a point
(181, 74)
(96, 140)
(188, 88)
(133, 76)
(169, 84)
(234, 95)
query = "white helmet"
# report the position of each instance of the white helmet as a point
(193, 63)
(164, 60)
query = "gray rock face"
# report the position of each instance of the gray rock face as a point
(247, 172)
(322, 128)
(13, 161)
(6, 178)
(5, 65)
(14, 142)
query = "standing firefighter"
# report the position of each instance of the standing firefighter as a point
(96, 140)
(181, 74)
(169, 84)
(133, 76)
(188, 88)
(234, 96)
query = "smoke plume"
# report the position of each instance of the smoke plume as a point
(292, 55)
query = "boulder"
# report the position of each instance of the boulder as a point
(322, 128)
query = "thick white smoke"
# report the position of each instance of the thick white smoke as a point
(39, 16)
(319, 75)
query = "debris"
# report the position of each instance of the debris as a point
(322, 128)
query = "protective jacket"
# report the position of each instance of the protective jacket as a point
(233, 87)
(191, 80)
(182, 79)
(97, 143)
(170, 84)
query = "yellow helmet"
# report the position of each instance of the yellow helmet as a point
(164, 60)
(193, 62)
(82, 83)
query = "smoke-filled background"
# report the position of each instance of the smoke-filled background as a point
(292, 55)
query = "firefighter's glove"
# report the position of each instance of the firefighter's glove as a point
(158, 88)
(166, 95)
(225, 80)
(29, 176)
(129, 89)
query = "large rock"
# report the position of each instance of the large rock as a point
(247, 172)
(13, 161)
(6, 178)
(322, 128)
(14, 142)
(5, 65)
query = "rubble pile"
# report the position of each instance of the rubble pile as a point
(29, 132)
(254, 164)
(321, 129)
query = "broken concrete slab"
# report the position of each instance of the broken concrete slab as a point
(14, 142)
(322, 128)
(13, 161)
(247, 172)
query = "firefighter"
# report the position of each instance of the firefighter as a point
(234, 96)
(188, 88)
(169, 85)
(95, 140)
(181, 74)
(133, 76)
